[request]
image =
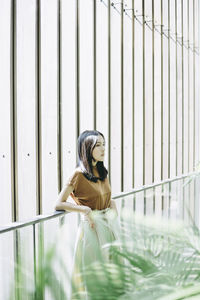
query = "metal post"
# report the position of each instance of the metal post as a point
(40, 292)
(109, 90)
(17, 260)
(153, 103)
(170, 189)
(145, 203)
(143, 71)
(59, 98)
(13, 111)
(162, 139)
(38, 111)
(34, 259)
(169, 87)
(161, 64)
(182, 56)
(153, 92)
(77, 73)
(194, 98)
(94, 61)
(188, 86)
(122, 95)
(176, 89)
(133, 94)
(154, 201)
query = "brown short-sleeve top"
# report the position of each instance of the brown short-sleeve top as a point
(96, 195)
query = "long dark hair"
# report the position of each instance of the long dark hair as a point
(86, 143)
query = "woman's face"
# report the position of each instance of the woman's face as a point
(98, 152)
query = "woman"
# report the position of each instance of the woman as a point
(90, 189)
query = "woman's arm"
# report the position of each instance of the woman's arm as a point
(62, 204)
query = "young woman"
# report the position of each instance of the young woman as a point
(89, 185)
(90, 189)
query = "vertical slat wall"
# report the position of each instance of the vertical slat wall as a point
(69, 91)
(115, 89)
(102, 75)
(191, 91)
(185, 86)
(197, 74)
(7, 194)
(173, 100)
(128, 97)
(165, 93)
(179, 95)
(148, 92)
(49, 74)
(127, 68)
(25, 103)
(138, 96)
(86, 57)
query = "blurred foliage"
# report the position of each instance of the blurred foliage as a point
(151, 259)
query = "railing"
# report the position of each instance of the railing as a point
(23, 242)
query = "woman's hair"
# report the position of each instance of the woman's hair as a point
(86, 143)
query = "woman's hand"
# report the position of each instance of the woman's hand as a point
(86, 210)
(88, 214)
(113, 207)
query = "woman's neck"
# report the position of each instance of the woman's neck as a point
(94, 163)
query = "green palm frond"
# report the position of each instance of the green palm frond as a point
(158, 258)
(151, 260)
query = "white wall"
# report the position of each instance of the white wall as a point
(148, 147)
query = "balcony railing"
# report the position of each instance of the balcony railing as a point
(23, 242)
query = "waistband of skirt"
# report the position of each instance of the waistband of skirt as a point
(103, 211)
(99, 211)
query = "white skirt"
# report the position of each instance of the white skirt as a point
(90, 245)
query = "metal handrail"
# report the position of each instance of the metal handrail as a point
(35, 220)
(147, 187)
(55, 214)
